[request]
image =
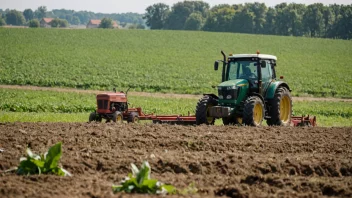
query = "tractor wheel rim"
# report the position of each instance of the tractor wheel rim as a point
(258, 114)
(119, 118)
(285, 108)
(239, 120)
(135, 119)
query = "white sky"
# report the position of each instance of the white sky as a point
(139, 6)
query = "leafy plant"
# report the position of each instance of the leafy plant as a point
(139, 182)
(42, 164)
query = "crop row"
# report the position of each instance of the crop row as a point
(164, 61)
(62, 102)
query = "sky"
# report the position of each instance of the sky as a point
(138, 6)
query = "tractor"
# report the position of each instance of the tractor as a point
(249, 93)
(114, 107)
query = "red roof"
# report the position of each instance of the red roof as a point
(47, 20)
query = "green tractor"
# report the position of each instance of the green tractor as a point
(248, 94)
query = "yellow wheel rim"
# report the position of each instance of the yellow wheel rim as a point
(285, 108)
(258, 113)
(239, 120)
(119, 118)
(209, 119)
(135, 119)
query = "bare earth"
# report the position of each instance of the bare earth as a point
(155, 95)
(220, 160)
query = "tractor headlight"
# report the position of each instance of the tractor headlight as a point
(231, 87)
(228, 97)
(221, 97)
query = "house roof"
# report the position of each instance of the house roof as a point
(47, 20)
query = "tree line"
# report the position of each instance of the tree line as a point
(315, 20)
(63, 16)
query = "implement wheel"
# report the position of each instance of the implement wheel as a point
(202, 110)
(253, 112)
(117, 117)
(133, 117)
(281, 108)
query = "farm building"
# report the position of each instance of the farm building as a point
(45, 22)
(94, 23)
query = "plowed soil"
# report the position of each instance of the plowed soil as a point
(220, 160)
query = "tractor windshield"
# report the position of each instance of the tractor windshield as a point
(242, 69)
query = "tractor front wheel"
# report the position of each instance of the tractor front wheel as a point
(253, 112)
(202, 110)
(117, 117)
(281, 108)
(92, 117)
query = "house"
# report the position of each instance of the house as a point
(94, 23)
(45, 22)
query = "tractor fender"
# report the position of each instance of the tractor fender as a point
(212, 95)
(270, 92)
(258, 95)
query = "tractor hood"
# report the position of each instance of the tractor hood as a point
(231, 83)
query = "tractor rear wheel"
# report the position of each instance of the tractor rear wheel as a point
(253, 112)
(92, 117)
(281, 108)
(133, 117)
(202, 110)
(117, 117)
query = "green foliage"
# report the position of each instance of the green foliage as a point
(28, 14)
(96, 59)
(59, 23)
(40, 12)
(14, 17)
(34, 23)
(106, 23)
(139, 181)
(194, 22)
(156, 15)
(2, 22)
(42, 164)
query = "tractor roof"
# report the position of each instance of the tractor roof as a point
(263, 56)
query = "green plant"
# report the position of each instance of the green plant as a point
(42, 164)
(139, 182)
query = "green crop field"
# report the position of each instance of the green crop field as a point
(165, 61)
(51, 106)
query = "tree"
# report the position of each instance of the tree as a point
(220, 18)
(41, 12)
(182, 10)
(28, 14)
(106, 23)
(194, 21)
(34, 23)
(313, 19)
(243, 21)
(75, 20)
(15, 17)
(156, 15)
(2, 22)
(59, 23)
(270, 22)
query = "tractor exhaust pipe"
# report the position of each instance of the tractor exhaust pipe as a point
(224, 66)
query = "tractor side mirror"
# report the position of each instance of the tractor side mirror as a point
(216, 65)
(263, 64)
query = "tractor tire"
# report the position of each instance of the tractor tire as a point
(253, 112)
(202, 110)
(133, 117)
(117, 117)
(281, 108)
(92, 117)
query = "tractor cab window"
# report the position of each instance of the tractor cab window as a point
(242, 69)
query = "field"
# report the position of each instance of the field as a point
(53, 106)
(165, 61)
(218, 160)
